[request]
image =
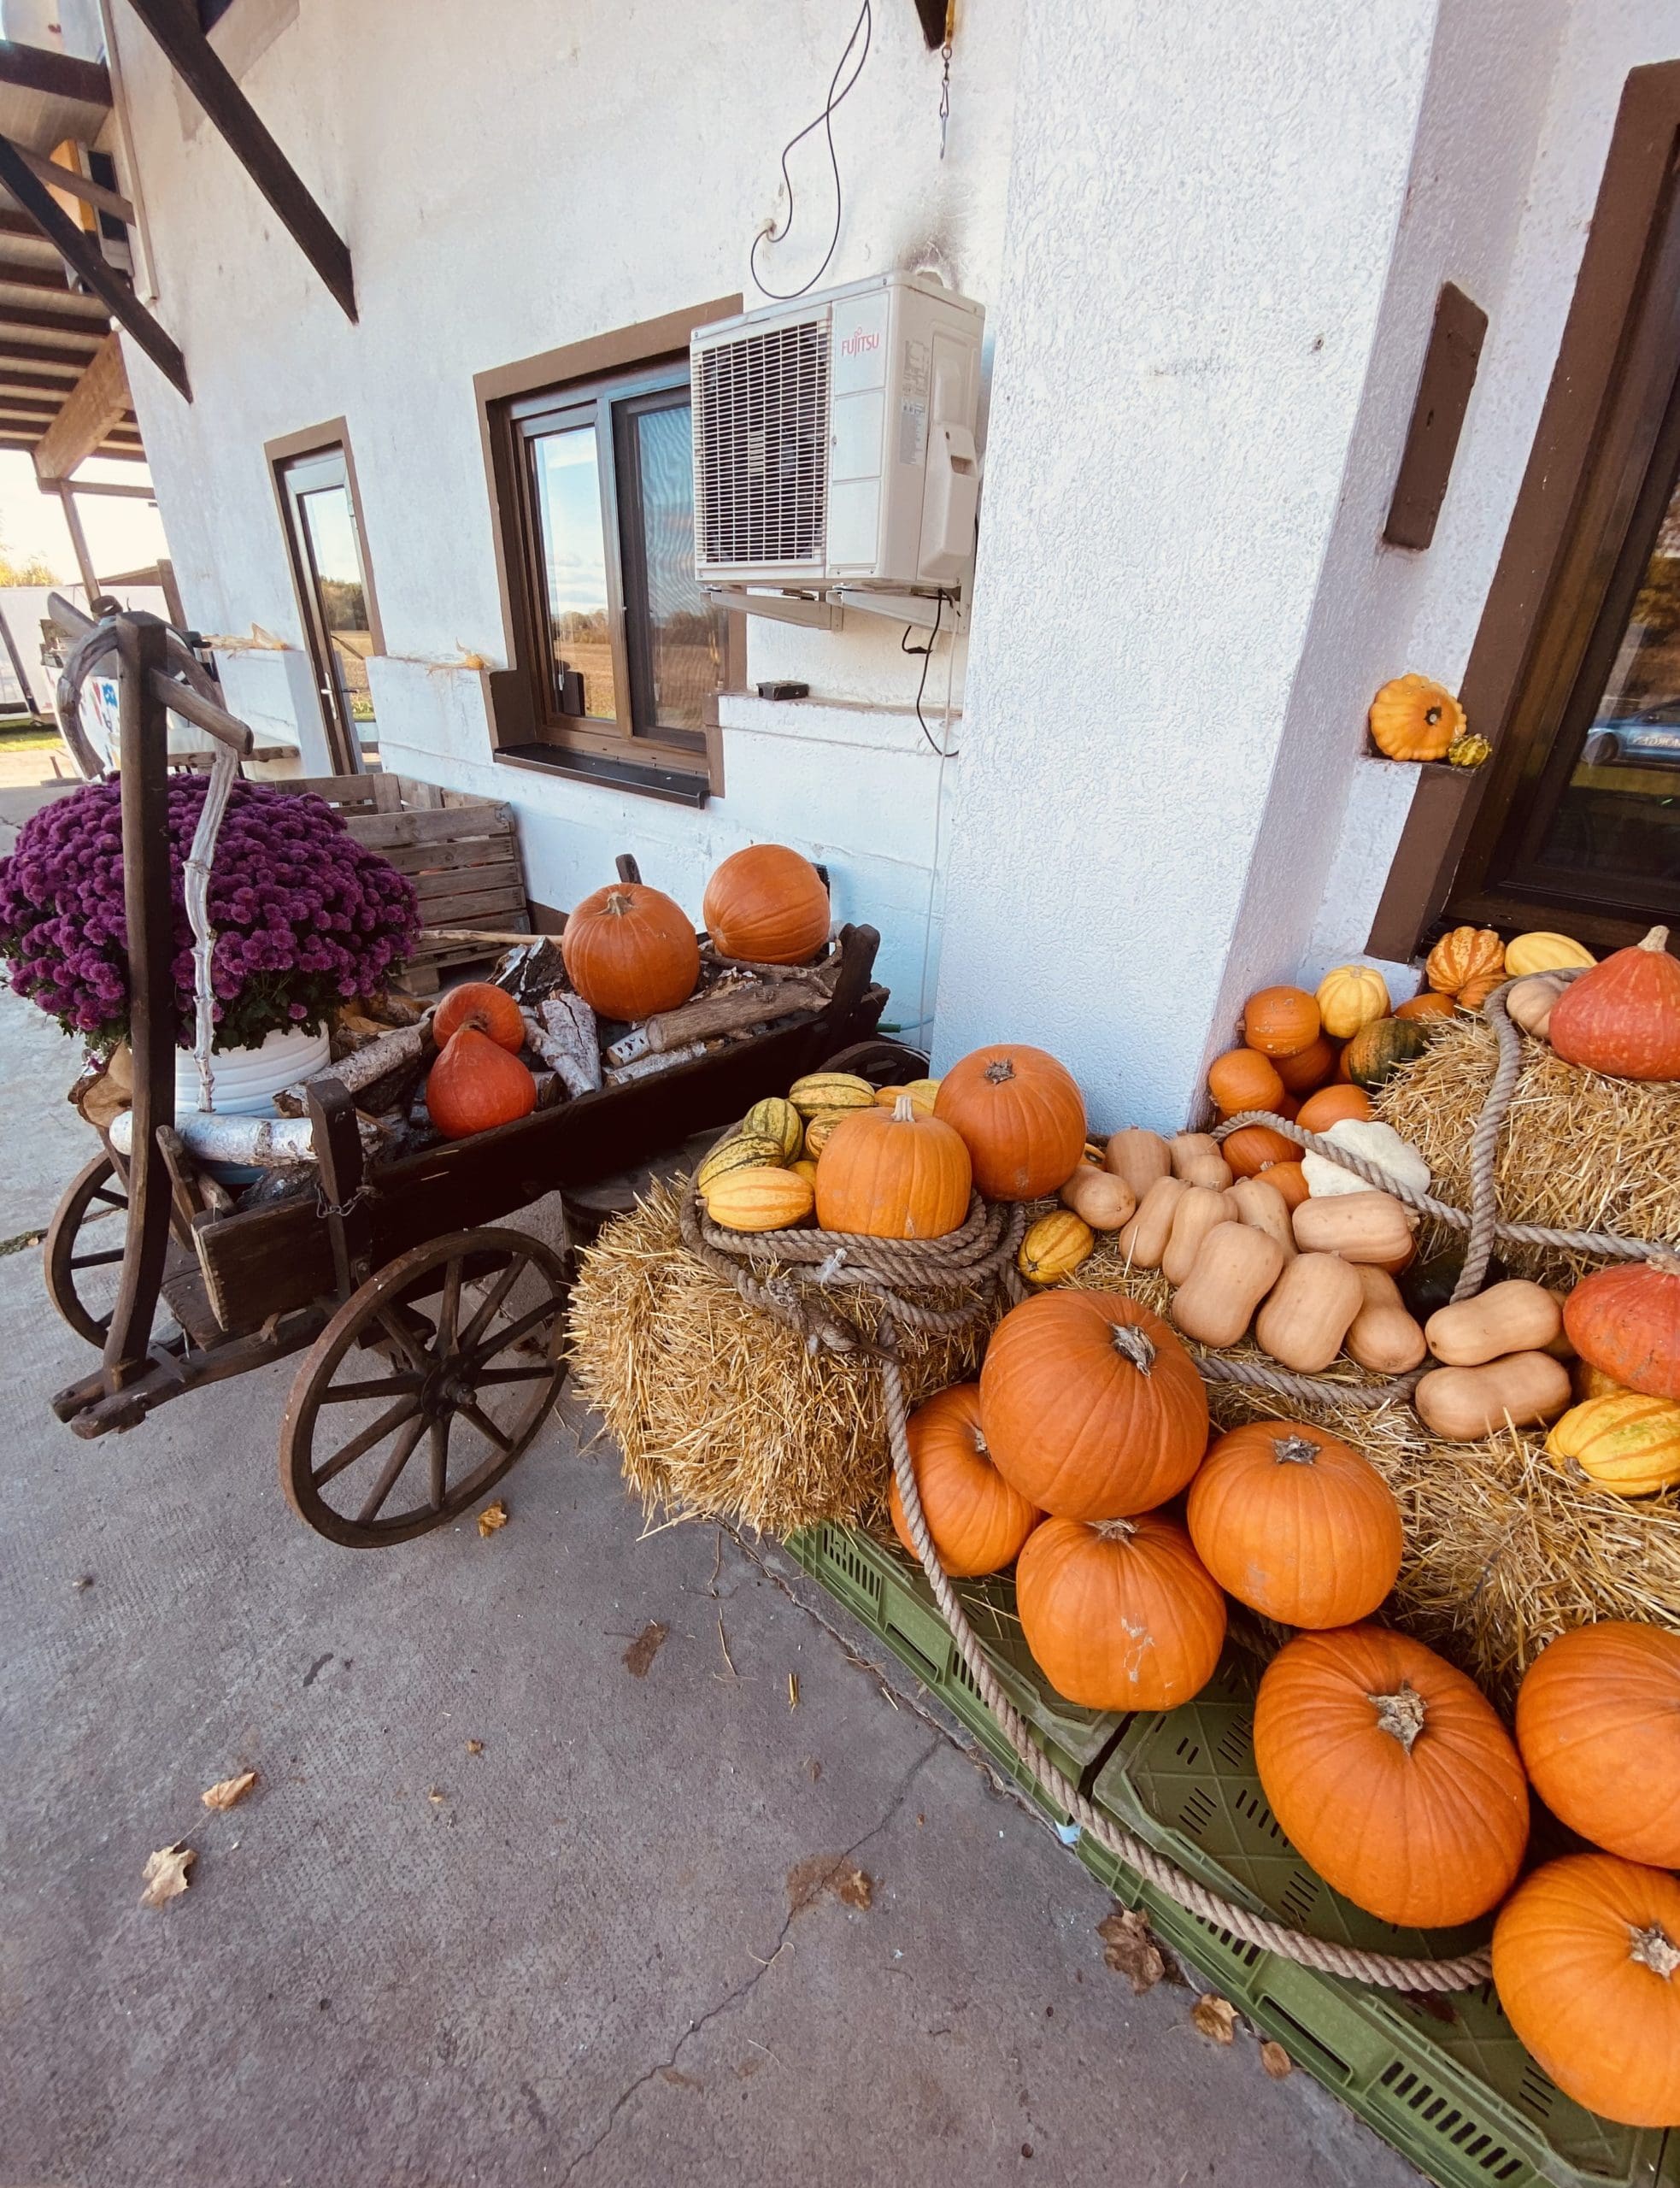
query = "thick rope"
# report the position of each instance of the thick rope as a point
(979, 1259)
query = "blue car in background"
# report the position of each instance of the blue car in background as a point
(1651, 739)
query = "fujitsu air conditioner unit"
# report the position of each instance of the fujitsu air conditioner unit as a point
(834, 440)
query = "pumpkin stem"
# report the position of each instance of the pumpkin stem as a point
(1400, 1715)
(1656, 942)
(1114, 1530)
(1132, 1345)
(1431, 715)
(982, 1449)
(1295, 1450)
(1655, 1949)
(618, 905)
(999, 1071)
(903, 1110)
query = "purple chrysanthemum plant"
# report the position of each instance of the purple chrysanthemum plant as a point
(304, 916)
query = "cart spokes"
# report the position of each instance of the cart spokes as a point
(466, 1332)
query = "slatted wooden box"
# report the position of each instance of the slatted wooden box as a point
(461, 851)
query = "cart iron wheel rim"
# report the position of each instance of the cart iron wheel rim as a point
(82, 1256)
(424, 1387)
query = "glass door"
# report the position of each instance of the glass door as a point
(326, 554)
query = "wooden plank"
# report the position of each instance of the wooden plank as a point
(74, 184)
(1438, 418)
(82, 254)
(19, 350)
(20, 376)
(496, 904)
(385, 831)
(99, 402)
(89, 324)
(61, 75)
(200, 67)
(266, 1261)
(498, 877)
(347, 792)
(14, 273)
(440, 858)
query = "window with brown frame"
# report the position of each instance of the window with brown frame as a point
(1574, 675)
(617, 656)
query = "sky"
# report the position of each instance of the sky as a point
(121, 535)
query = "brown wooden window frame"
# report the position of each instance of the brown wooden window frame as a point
(1599, 472)
(607, 382)
(331, 437)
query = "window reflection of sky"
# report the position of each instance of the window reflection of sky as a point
(570, 492)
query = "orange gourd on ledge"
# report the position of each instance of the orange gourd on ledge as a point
(475, 1086)
(485, 1007)
(768, 904)
(1623, 1018)
(630, 952)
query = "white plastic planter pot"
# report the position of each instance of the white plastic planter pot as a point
(246, 1080)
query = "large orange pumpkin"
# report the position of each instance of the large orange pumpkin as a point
(1121, 1615)
(1598, 1722)
(1281, 1021)
(475, 1084)
(485, 1007)
(978, 1522)
(893, 1174)
(768, 904)
(1623, 1017)
(1295, 1524)
(1243, 1079)
(1092, 1406)
(1022, 1115)
(1392, 1775)
(1625, 1321)
(630, 951)
(1587, 1966)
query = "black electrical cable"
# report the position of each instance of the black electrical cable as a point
(926, 652)
(825, 122)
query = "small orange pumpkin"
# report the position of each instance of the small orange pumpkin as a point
(475, 1086)
(1309, 1066)
(630, 951)
(1290, 1179)
(1281, 1021)
(485, 1007)
(1431, 1004)
(1254, 1148)
(977, 1520)
(1332, 1105)
(1463, 957)
(892, 1173)
(1414, 718)
(1022, 1116)
(1122, 1615)
(1244, 1079)
(768, 904)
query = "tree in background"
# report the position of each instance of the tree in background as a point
(33, 569)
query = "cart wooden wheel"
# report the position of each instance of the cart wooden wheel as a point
(424, 1387)
(82, 1256)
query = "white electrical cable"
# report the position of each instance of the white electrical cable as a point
(925, 1018)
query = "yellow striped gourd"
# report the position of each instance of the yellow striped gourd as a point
(775, 1119)
(1625, 1442)
(1055, 1247)
(830, 1090)
(740, 1152)
(760, 1199)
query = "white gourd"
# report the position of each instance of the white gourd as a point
(1374, 1141)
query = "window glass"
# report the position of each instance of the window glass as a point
(329, 524)
(574, 555)
(685, 635)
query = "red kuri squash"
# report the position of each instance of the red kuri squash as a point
(1598, 1722)
(1623, 1018)
(1625, 1322)
(486, 1008)
(1092, 1406)
(978, 1522)
(475, 1084)
(1022, 1115)
(768, 904)
(630, 951)
(1121, 1615)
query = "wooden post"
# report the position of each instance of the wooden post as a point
(72, 519)
(338, 1152)
(144, 727)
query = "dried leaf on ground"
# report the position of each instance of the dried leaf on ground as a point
(1130, 1949)
(475, 1747)
(807, 1881)
(639, 1656)
(856, 1888)
(492, 1517)
(1276, 2061)
(1214, 2017)
(228, 1792)
(165, 1875)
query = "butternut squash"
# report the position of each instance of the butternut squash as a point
(1463, 1404)
(1515, 1316)
(1210, 1172)
(1384, 1336)
(1235, 1267)
(1368, 1226)
(1200, 1210)
(1264, 1207)
(1560, 1347)
(1104, 1201)
(1196, 1159)
(1139, 1156)
(1310, 1311)
(1143, 1240)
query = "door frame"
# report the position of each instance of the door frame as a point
(283, 456)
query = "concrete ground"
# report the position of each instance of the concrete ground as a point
(543, 1879)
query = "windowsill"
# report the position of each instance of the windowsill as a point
(671, 785)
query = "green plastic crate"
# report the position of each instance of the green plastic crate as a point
(888, 1593)
(1445, 2081)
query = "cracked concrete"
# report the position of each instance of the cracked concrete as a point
(575, 1954)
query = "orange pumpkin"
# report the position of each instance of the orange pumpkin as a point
(1331, 1105)
(1023, 1118)
(893, 1174)
(1587, 1966)
(978, 1522)
(1281, 1021)
(1092, 1406)
(1295, 1524)
(1244, 1079)
(1121, 1615)
(1623, 1018)
(768, 904)
(1290, 1179)
(485, 1007)
(630, 951)
(1311, 1067)
(1254, 1148)
(1598, 1722)
(475, 1084)
(1431, 1004)
(1392, 1775)
(1625, 1322)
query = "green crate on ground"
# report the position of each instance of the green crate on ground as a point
(886, 1592)
(1445, 2081)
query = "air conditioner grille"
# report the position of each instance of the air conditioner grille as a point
(761, 447)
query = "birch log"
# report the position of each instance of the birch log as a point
(562, 1031)
(256, 1142)
(392, 1052)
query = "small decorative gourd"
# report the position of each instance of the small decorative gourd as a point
(924, 1092)
(1330, 1105)
(487, 1009)
(1260, 1205)
(1374, 1142)
(1138, 1155)
(1281, 1021)
(1627, 1443)
(1414, 718)
(830, 1090)
(1143, 1240)
(1309, 1312)
(1351, 996)
(1542, 952)
(1251, 1149)
(1384, 1336)
(1469, 751)
(1360, 1227)
(1054, 1247)
(1461, 1405)
(1466, 959)
(1202, 1209)
(1515, 1316)
(1244, 1079)
(1379, 1049)
(1099, 1198)
(1530, 1002)
(1235, 1267)
(742, 1151)
(764, 1199)
(778, 1120)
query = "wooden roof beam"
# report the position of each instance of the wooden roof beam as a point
(82, 254)
(75, 184)
(16, 349)
(200, 67)
(96, 408)
(61, 75)
(85, 324)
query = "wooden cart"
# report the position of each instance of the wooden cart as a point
(427, 1328)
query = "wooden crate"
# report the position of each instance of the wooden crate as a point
(461, 851)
